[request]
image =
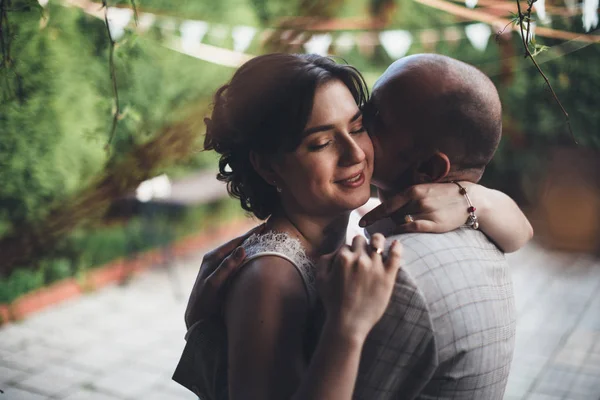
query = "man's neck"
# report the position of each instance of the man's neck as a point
(464, 175)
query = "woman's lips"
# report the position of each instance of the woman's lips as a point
(354, 181)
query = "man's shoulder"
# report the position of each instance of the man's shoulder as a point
(459, 244)
(442, 265)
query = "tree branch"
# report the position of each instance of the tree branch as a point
(113, 77)
(525, 39)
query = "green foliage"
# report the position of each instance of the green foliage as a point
(56, 116)
(89, 248)
(57, 104)
(19, 282)
(56, 269)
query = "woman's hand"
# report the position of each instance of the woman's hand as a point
(434, 207)
(217, 267)
(355, 284)
(439, 207)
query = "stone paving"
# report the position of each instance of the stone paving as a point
(123, 342)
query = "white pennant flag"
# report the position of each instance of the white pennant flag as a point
(396, 42)
(345, 42)
(479, 35)
(531, 30)
(318, 44)
(118, 18)
(43, 3)
(192, 33)
(471, 3)
(590, 15)
(242, 37)
(145, 21)
(540, 10)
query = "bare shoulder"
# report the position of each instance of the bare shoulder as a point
(264, 282)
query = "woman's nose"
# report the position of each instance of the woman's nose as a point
(352, 153)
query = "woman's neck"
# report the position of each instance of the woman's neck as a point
(318, 234)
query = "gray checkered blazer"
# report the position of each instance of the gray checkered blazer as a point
(449, 330)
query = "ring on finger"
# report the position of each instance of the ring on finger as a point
(408, 218)
(377, 250)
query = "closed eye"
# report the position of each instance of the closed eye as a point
(319, 146)
(357, 131)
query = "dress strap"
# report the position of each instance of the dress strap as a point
(283, 245)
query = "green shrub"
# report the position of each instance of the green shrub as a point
(56, 269)
(21, 281)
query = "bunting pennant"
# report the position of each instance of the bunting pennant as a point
(470, 3)
(540, 10)
(145, 22)
(396, 43)
(242, 37)
(479, 35)
(590, 14)
(345, 42)
(532, 26)
(192, 33)
(186, 36)
(318, 44)
(118, 19)
(452, 34)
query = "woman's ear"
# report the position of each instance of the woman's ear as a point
(264, 168)
(434, 169)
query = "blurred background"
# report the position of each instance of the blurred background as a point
(107, 202)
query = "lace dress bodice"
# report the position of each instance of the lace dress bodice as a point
(283, 245)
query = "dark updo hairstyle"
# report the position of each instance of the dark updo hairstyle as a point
(265, 108)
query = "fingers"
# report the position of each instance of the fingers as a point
(377, 242)
(359, 244)
(374, 215)
(229, 265)
(222, 251)
(394, 257)
(389, 206)
(344, 256)
(418, 225)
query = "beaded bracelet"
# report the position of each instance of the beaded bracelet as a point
(472, 220)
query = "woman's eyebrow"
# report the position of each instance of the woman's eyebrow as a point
(356, 116)
(323, 128)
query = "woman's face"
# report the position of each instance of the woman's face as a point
(330, 171)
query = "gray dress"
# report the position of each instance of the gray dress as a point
(203, 364)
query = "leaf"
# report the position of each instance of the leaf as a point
(539, 48)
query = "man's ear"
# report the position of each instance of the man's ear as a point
(433, 169)
(264, 168)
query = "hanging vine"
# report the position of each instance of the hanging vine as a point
(116, 111)
(5, 38)
(523, 20)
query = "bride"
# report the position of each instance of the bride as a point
(294, 151)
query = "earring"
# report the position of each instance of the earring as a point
(277, 187)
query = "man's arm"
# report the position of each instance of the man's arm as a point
(439, 208)
(217, 267)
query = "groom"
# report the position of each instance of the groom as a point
(449, 329)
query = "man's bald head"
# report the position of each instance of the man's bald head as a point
(429, 103)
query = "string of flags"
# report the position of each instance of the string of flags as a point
(396, 42)
(187, 36)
